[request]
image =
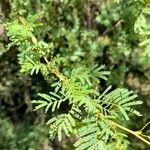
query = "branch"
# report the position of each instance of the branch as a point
(137, 134)
(34, 41)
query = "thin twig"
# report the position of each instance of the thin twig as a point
(34, 40)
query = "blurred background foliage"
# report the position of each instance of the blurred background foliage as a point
(99, 31)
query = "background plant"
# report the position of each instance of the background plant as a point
(67, 42)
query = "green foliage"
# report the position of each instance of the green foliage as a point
(17, 137)
(142, 27)
(79, 90)
(6, 129)
(67, 46)
(118, 102)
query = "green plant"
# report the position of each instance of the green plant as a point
(142, 27)
(21, 137)
(68, 65)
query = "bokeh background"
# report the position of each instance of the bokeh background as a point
(100, 30)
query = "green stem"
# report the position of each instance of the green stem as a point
(135, 133)
(34, 40)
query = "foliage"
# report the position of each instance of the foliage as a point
(18, 138)
(68, 45)
(142, 27)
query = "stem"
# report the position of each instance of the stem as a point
(54, 70)
(138, 134)
(34, 40)
(145, 126)
(131, 132)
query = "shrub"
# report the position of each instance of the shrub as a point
(68, 42)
